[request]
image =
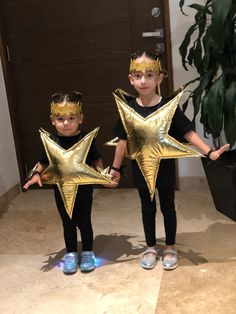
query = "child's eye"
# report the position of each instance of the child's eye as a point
(72, 118)
(59, 119)
(150, 75)
(137, 76)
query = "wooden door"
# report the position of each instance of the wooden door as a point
(57, 45)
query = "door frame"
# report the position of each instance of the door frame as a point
(11, 98)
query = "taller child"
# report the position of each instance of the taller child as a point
(145, 76)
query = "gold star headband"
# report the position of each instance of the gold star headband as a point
(154, 65)
(67, 109)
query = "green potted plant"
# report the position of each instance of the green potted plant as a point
(209, 46)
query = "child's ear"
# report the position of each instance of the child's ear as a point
(130, 77)
(81, 118)
(52, 120)
(160, 78)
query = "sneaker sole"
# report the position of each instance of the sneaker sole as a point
(170, 268)
(87, 270)
(70, 272)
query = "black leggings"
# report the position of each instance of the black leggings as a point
(167, 205)
(81, 218)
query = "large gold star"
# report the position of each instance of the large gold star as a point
(67, 168)
(148, 141)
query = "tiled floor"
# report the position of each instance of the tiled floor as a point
(31, 248)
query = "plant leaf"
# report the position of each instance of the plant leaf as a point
(183, 49)
(213, 102)
(181, 4)
(198, 92)
(198, 7)
(208, 57)
(230, 113)
(220, 10)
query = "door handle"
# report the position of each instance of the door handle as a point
(158, 33)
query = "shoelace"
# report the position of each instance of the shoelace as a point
(70, 259)
(87, 258)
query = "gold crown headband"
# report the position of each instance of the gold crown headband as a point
(154, 65)
(67, 109)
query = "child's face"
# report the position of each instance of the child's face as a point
(67, 124)
(145, 83)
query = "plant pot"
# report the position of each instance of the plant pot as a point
(221, 177)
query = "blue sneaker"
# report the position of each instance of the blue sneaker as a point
(70, 263)
(87, 261)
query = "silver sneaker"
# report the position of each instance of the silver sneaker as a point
(170, 264)
(149, 261)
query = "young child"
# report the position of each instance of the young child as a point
(67, 117)
(146, 76)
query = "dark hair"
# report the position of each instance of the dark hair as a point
(60, 97)
(149, 54)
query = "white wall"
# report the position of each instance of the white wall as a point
(9, 174)
(179, 24)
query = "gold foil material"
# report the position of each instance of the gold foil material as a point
(67, 109)
(148, 141)
(124, 95)
(112, 142)
(154, 65)
(67, 168)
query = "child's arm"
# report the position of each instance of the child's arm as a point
(98, 163)
(193, 138)
(119, 156)
(35, 179)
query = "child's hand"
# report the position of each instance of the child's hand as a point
(216, 153)
(34, 180)
(115, 176)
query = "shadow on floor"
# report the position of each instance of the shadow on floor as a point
(109, 249)
(214, 245)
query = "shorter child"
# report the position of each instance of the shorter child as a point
(67, 117)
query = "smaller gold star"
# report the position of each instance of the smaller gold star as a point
(67, 168)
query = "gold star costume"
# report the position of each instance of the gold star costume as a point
(67, 168)
(147, 138)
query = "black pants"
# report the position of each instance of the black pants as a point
(167, 205)
(81, 218)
